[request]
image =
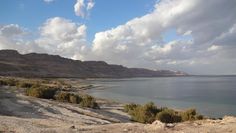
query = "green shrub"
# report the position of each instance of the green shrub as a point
(143, 114)
(8, 82)
(151, 108)
(37, 85)
(88, 101)
(3, 82)
(11, 82)
(149, 113)
(75, 99)
(68, 97)
(168, 116)
(189, 114)
(165, 117)
(25, 85)
(199, 117)
(41, 92)
(130, 107)
(62, 96)
(34, 92)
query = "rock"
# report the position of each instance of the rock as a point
(170, 125)
(72, 127)
(157, 123)
(229, 119)
(126, 130)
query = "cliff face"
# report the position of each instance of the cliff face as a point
(43, 65)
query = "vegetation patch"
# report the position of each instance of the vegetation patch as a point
(16, 82)
(51, 89)
(83, 100)
(3, 82)
(168, 116)
(67, 97)
(8, 82)
(89, 102)
(143, 114)
(149, 112)
(190, 115)
(41, 92)
(25, 84)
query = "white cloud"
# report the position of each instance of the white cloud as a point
(213, 48)
(61, 36)
(187, 33)
(11, 30)
(82, 8)
(142, 36)
(48, 1)
(227, 37)
(163, 49)
(121, 47)
(90, 5)
(13, 36)
(79, 8)
(57, 36)
(139, 42)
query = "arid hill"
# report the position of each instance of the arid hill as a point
(13, 63)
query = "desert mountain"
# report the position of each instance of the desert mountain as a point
(13, 63)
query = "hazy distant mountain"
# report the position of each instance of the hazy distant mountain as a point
(43, 65)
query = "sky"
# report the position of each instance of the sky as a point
(194, 36)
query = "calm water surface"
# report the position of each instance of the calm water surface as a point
(211, 96)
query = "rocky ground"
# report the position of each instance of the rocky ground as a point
(23, 114)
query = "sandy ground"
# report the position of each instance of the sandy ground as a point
(18, 110)
(22, 114)
(227, 125)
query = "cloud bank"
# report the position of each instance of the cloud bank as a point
(206, 42)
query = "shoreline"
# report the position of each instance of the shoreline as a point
(84, 86)
(20, 113)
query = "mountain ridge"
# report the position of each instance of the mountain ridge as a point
(12, 63)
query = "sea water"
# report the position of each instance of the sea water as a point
(213, 96)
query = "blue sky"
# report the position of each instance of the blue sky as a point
(187, 35)
(106, 14)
